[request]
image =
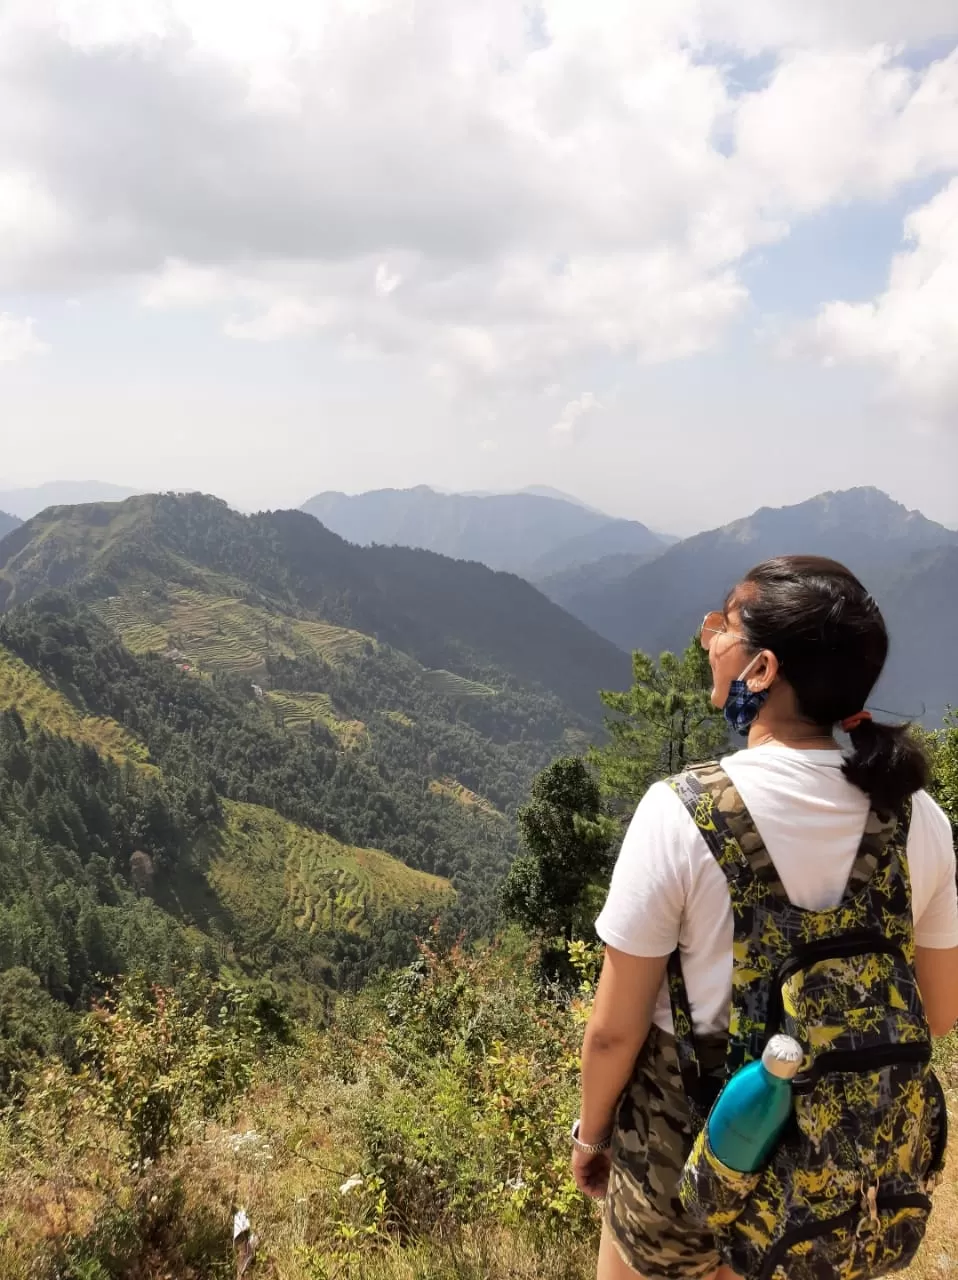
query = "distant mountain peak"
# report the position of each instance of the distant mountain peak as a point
(27, 501)
(529, 533)
(659, 604)
(7, 523)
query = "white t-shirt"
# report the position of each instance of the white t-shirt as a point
(667, 889)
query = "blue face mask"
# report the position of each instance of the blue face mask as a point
(743, 704)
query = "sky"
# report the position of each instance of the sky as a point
(682, 258)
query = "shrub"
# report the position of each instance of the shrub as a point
(159, 1059)
(474, 1088)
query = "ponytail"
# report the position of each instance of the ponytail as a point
(888, 763)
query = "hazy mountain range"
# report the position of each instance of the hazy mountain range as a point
(639, 590)
(533, 534)
(904, 558)
(7, 523)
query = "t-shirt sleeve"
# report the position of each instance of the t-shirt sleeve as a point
(650, 884)
(930, 838)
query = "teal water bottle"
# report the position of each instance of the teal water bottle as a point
(752, 1109)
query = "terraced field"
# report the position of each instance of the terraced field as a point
(329, 642)
(222, 633)
(41, 706)
(452, 686)
(299, 710)
(269, 872)
(460, 794)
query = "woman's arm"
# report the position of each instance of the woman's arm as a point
(619, 1023)
(937, 972)
(620, 1020)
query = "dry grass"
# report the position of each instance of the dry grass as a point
(283, 1156)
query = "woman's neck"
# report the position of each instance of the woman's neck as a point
(790, 732)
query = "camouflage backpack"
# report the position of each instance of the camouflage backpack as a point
(846, 1194)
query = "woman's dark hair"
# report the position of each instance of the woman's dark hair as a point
(831, 643)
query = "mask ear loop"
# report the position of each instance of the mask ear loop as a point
(751, 664)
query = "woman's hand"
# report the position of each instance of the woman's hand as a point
(591, 1173)
(619, 1022)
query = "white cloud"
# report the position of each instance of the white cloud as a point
(845, 125)
(386, 282)
(910, 331)
(500, 198)
(18, 340)
(284, 318)
(565, 425)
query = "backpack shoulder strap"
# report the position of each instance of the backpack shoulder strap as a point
(725, 824)
(708, 795)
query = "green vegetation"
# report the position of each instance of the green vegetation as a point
(266, 870)
(298, 711)
(456, 792)
(23, 690)
(663, 723)
(423, 1135)
(221, 633)
(942, 748)
(568, 844)
(169, 552)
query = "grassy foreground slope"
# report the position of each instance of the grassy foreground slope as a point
(423, 1137)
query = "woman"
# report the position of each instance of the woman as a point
(794, 654)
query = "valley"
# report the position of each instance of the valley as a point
(261, 769)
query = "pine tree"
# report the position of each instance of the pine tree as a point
(568, 842)
(664, 723)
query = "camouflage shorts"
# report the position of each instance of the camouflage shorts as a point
(650, 1144)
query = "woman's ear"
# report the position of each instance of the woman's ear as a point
(764, 672)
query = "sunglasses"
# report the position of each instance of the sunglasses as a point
(714, 624)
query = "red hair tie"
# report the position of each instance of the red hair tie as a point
(852, 722)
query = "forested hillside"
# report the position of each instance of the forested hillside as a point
(444, 614)
(378, 760)
(244, 740)
(260, 791)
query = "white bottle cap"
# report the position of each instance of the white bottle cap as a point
(782, 1057)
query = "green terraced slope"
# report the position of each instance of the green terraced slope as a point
(270, 874)
(449, 685)
(221, 633)
(299, 710)
(41, 706)
(460, 794)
